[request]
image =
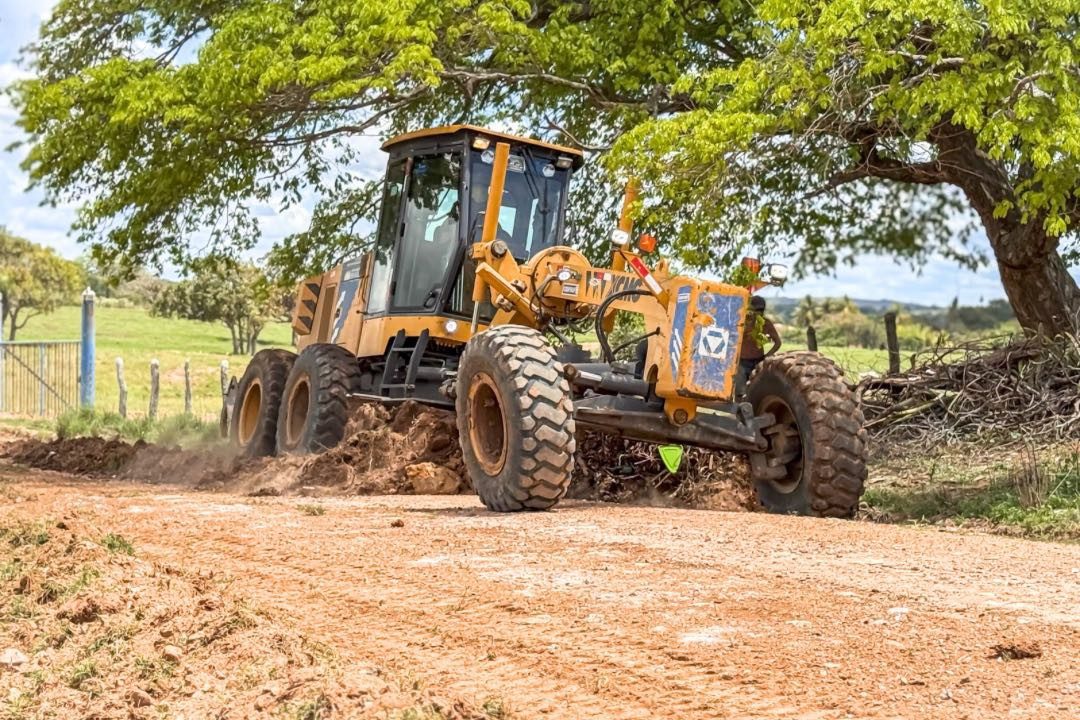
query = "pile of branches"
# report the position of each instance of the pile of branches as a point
(990, 388)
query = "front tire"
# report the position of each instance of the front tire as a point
(315, 407)
(515, 420)
(253, 428)
(817, 449)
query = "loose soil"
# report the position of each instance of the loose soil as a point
(407, 449)
(430, 607)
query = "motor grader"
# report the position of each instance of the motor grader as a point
(469, 299)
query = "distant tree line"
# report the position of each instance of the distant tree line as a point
(840, 322)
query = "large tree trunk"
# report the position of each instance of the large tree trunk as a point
(1042, 293)
(13, 327)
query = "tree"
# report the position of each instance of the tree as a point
(843, 126)
(240, 296)
(882, 117)
(33, 280)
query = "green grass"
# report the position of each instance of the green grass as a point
(131, 333)
(1040, 500)
(118, 544)
(184, 430)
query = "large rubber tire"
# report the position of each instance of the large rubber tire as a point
(515, 419)
(807, 394)
(315, 408)
(258, 397)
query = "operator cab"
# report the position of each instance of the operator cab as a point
(434, 206)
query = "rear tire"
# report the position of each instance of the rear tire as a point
(515, 419)
(315, 408)
(253, 428)
(819, 437)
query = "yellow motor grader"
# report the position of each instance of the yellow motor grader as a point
(469, 299)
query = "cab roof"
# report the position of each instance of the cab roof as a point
(576, 154)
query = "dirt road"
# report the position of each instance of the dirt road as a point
(600, 611)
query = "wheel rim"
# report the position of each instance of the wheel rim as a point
(250, 408)
(785, 443)
(299, 403)
(487, 424)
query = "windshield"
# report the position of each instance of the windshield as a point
(531, 202)
(430, 239)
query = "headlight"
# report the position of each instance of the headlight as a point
(619, 237)
(776, 274)
(451, 326)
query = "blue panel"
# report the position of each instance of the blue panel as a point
(678, 328)
(715, 347)
(350, 282)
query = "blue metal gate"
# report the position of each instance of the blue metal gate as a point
(39, 378)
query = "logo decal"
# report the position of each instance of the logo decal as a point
(714, 342)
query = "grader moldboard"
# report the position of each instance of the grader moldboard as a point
(454, 307)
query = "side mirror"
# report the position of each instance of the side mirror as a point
(775, 274)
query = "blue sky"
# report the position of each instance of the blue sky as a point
(872, 277)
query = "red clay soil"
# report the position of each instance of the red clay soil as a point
(408, 449)
(589, 611)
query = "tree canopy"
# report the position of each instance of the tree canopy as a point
(33, 280)
(239, 296)
(836, 126)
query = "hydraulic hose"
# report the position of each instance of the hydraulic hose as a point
(601, 336)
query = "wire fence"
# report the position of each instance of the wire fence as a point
(39, 378)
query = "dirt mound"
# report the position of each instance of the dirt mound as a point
(410, 448)
(83, 456)
(405, 449)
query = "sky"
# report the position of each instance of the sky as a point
(872, 277)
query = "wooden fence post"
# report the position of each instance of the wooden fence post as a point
(187, 387)
(224, 377)
(123, 387)
(811, 338)
(155, 388)
(892, 343)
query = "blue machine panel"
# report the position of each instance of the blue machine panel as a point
(350, 283)
(678, 327)
(715, 347)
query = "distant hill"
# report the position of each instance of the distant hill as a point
(785, 305)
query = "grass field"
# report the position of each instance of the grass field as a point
(132, 334)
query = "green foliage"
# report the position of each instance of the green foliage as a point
(118, 544)
(184, 430)
(33, 280)
(240, 296)
(257, 101)
(836, 126)
(87, 422)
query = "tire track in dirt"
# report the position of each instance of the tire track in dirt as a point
(601, 611)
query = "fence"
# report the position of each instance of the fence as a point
(48, 378)
(39, 378)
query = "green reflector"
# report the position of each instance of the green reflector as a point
(672, 457)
